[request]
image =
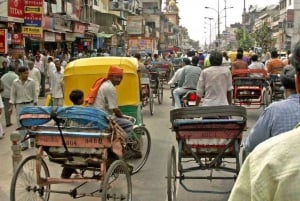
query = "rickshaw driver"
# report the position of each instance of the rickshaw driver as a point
(106, 100)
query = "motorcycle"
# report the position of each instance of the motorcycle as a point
(187, 100)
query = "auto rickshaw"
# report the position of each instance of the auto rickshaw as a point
(82, 73)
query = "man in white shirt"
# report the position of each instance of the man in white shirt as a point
(56, 82)
(34, 74)
(22, 94)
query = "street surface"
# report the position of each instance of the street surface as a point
(150, 183)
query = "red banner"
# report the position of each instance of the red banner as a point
(15, 9)
(3, 41)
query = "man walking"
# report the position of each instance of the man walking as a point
(22, 94)
(7, 81)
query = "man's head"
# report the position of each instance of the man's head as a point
(23, 73)
(254, 57)
(195, 61)
(57, 65)
(240, 50)
(76, 96)
(274, 53)
(4, 63)
(186, 61)
(287, 77)
(30, 65)
(115, 75)
(215, 58)
(239, 55)
(137, 56)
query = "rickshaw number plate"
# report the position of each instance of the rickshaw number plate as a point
(192, 102)
(56, 141)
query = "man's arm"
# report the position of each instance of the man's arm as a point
(260, 132)
(229, 95)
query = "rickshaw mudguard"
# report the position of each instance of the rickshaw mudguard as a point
(81, 74)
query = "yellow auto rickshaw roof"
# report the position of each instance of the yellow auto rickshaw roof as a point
(82, 73)
(80, 66)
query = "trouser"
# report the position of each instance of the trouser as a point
(6, 110)
(57, 101)
(176, 94)
(22, 133)
(43, 85)
(125, 124)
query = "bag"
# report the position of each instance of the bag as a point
(94, 91)
(49, 101)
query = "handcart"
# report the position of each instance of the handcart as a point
(206, 136)
(251, 88)
(83, 140)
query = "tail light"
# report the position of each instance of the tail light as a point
(192, 97)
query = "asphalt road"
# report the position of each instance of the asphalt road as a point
(150, 183)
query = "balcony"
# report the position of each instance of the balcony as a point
(122, 5)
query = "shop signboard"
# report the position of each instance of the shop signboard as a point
(49, 36)
(140, 44)
(3, 41)
(47, 22)
(33, 13)
(15, 10)
(69, 37)
(58, 37)
(79, 27)
(135, 25)
(32, 32)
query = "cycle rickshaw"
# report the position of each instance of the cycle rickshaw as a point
(82, 73)
(251, 88)
(156, 83)
(207, 137)
(89, 143)
(147, 92)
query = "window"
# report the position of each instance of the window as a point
(290, 2)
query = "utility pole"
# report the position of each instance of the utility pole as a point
(225, 14)
(244, 21)
(219, 24)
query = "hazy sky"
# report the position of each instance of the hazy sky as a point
(192, 13)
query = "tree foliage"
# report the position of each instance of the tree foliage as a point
(245, 40)
(263, 37)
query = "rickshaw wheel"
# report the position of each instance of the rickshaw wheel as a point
(267, 96)
(160, 93)
(140, 142)
(24, 182)
(171, 175)
(151, 102)
(117, 182)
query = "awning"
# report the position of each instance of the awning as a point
(104, 35)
